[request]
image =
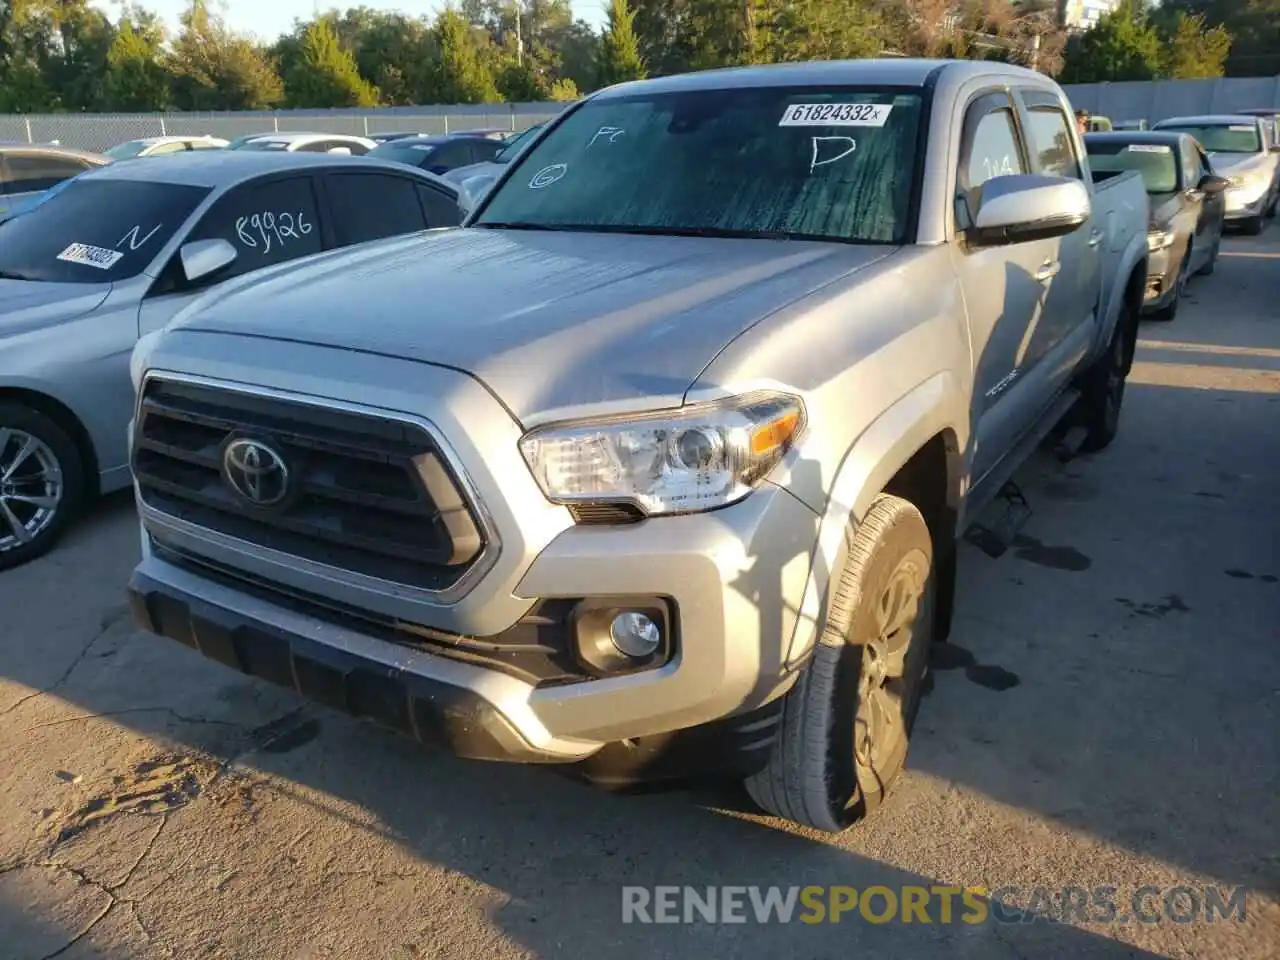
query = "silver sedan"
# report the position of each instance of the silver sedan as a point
(116, 254)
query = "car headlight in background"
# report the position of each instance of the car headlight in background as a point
(1159, 240)
(1249, 181)
(677, 461)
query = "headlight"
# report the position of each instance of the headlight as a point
(138, 359)
(1250, 181)
(1159, 240)
(675, 461)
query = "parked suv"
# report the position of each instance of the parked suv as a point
(658, 464)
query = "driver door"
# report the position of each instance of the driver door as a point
(269, 221)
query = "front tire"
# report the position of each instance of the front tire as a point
(41, 484)
(1252, 226)
(845, 725)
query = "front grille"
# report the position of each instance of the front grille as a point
(369, 495)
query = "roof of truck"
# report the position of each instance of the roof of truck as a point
(895, 71)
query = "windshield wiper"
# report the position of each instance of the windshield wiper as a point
(10, 275)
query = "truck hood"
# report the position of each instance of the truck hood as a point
(553, 323)
(29, 304)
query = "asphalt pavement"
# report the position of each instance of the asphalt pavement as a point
(1107, 715)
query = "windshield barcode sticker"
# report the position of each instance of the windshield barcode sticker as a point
(835, 115)
(89, 256)
(1149, 148)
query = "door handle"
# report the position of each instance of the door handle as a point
(1048, 270)
(1095, 237)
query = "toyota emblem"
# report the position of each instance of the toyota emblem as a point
(256, 472)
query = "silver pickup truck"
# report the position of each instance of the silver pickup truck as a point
(657, 465)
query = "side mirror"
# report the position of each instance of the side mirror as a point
(203, 258)
(1023, 207)
(1211, 183)
(339, 151)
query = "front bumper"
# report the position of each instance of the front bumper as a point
(730, 577)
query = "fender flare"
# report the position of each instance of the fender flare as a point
(872, 460)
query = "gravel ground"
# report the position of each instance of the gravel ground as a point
(1105, 715)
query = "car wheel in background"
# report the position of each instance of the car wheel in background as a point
(1252, 226)
(41, 484)
(845, 724)
(1167, 313)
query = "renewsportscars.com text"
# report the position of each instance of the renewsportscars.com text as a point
(937, 904)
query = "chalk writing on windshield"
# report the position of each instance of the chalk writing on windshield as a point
(135, 238)
(609, 134)
(265, 230)
(837, 147)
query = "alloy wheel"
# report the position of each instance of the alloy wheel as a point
(31, 487)
(879, 723)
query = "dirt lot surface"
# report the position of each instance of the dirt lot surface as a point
(1108, 714)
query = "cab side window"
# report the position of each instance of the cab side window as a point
(990, 147)
(1049, 136)
(267, 222)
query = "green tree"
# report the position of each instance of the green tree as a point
(1254, 27)
(620, 59)
(136, 78)
(216, 69)
(461, 73)
(324, 74)
(1122, 45)
(1193, 51)
(563, 90)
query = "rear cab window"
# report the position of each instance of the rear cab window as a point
(95, 230)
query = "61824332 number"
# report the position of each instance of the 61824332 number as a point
(836, 115)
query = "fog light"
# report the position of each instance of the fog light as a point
(635, 634)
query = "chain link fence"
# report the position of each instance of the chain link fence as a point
(98, 132)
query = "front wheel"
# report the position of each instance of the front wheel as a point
(41, 484)
(1251, 227)
(845, 725)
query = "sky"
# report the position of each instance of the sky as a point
(267, 19)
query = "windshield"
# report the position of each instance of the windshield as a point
(126, 151)
(402, 152)
(804, 163)
(1155, 161)
(95, 230)
(507, 153)
(1224, 138)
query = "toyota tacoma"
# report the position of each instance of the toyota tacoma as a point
(658, 464)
